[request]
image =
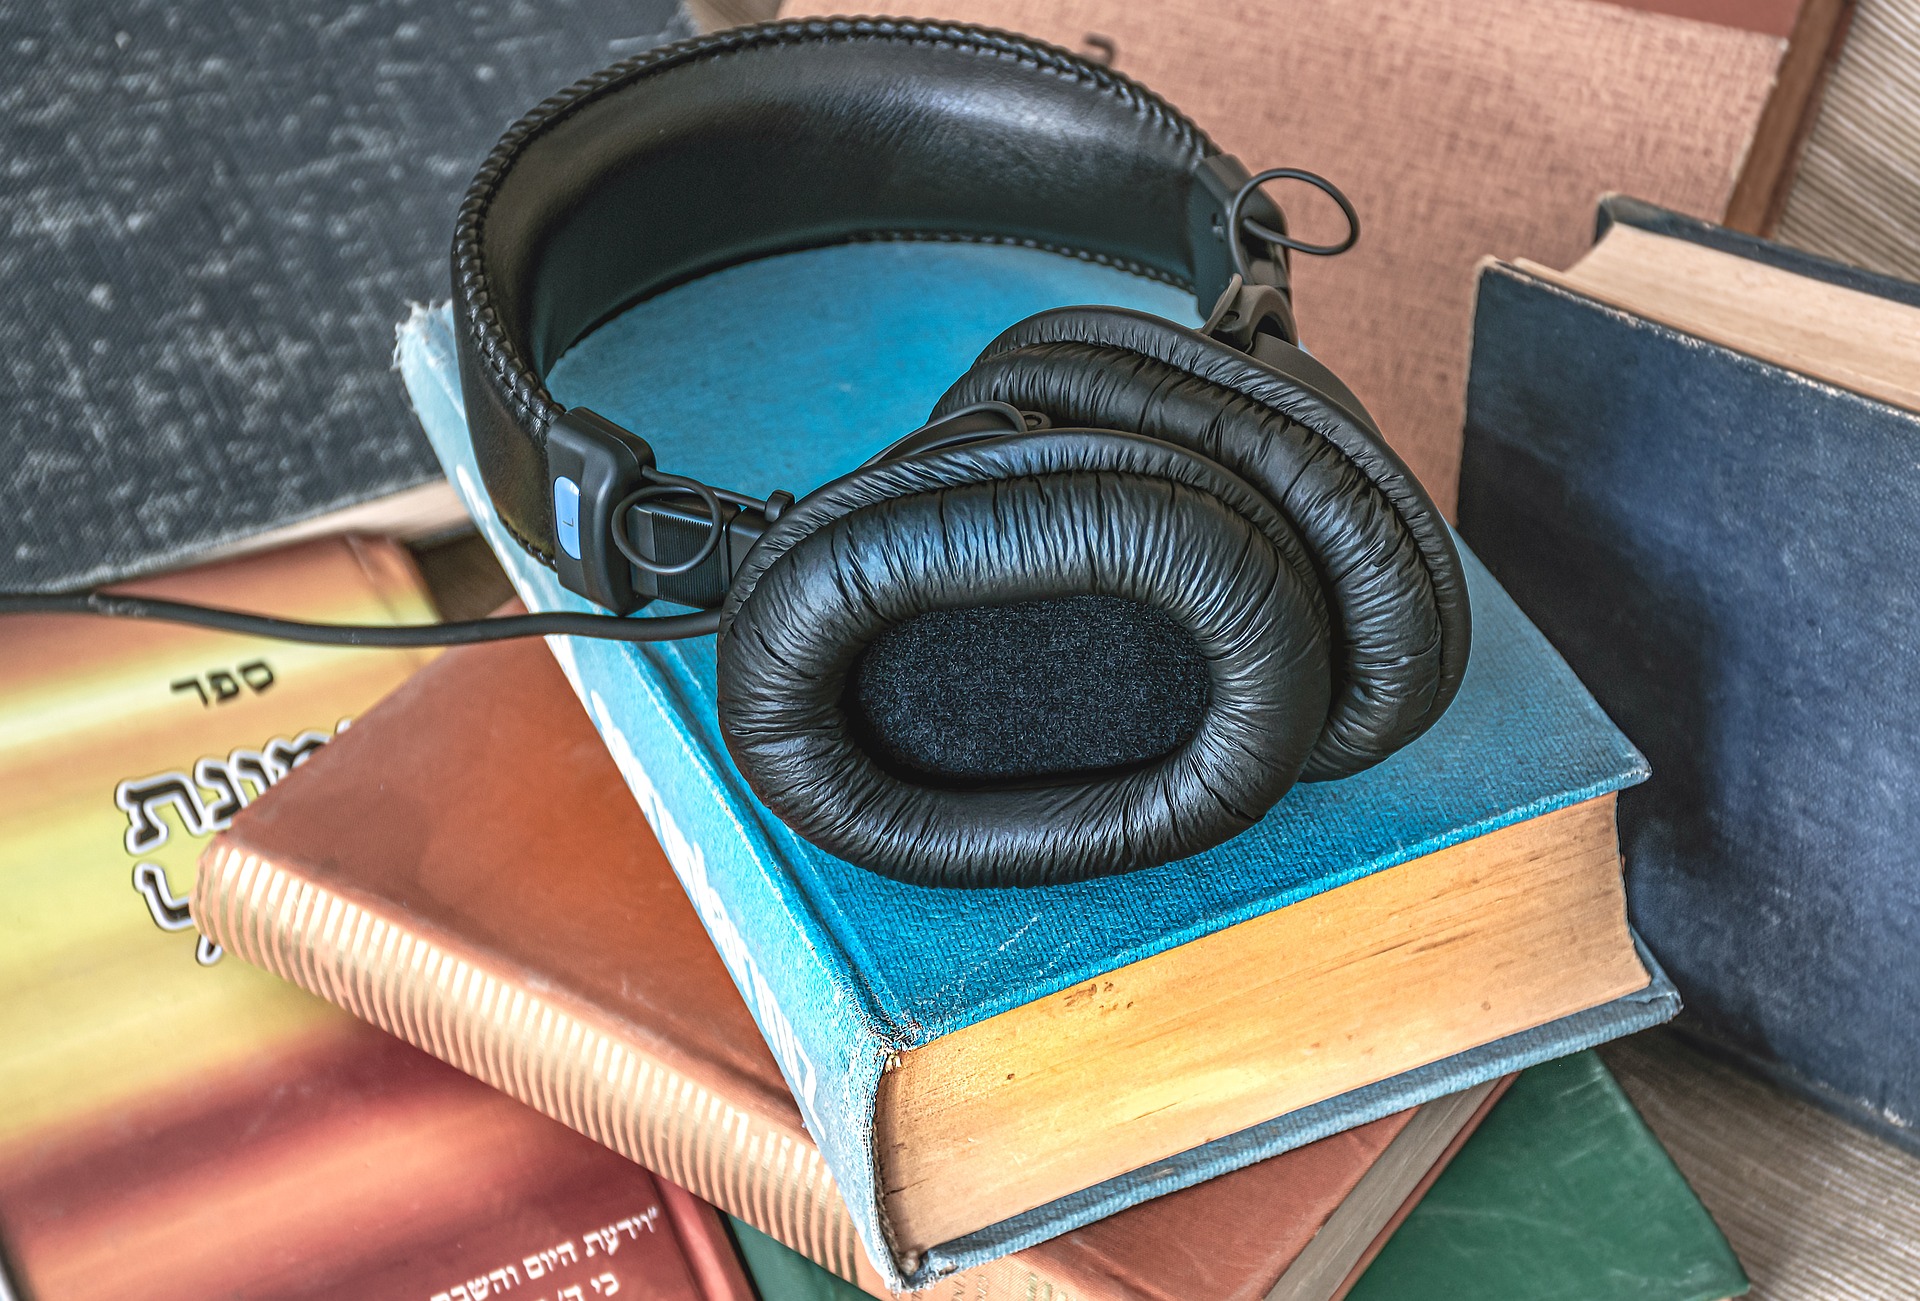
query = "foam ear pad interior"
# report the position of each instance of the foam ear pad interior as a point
(1067, 562)
(1383, 555)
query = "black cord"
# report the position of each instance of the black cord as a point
(673, 627)
(667, 485)
(1238, 223)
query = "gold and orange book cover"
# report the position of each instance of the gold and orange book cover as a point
(177, 1124)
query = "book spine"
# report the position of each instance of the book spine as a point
(553, 1057)
(813, 1008)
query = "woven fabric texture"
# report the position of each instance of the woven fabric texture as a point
(1857, 194)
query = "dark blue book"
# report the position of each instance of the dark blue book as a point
(1714, 519)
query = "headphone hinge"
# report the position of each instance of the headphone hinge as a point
(1216, 181)
(675, 530)
(1251, 318)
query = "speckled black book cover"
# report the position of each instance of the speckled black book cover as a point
(211, 215)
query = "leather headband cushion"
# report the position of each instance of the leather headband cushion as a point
(657, 171)
(1059, 515)
(1395, 592)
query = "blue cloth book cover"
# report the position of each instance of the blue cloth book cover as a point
(828, 355)
(1724, 549)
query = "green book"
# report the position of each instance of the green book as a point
(1562, 1194)
(782, 1274)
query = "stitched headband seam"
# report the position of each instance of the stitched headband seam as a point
(501, 358)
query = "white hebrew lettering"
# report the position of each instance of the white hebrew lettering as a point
(284, 756)
(169, 912)
(251, 766)
(644, 1220)
(229, 796)
(142, 801)
(204, 804)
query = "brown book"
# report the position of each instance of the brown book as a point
(1459, 129)
(466, 868)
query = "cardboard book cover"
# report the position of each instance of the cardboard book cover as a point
(844, 969)
(177, 1124)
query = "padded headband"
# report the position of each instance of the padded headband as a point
(795, 135)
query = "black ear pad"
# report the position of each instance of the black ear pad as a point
(1392, 577)
(1011, 544)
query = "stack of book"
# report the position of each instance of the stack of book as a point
(494, 859)
(983, 1071)
(988, 1092)
(1343, 1055)
(1346, 1054)
(181, 1124)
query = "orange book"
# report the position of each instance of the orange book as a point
(1459, 128)
(497, 898)
(175, 1124)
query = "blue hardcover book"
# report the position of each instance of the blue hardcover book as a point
(854, 978)
(1725, 549)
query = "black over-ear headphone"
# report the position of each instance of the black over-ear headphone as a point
(1131, 582)
(1128, 585)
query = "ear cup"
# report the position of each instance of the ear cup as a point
(1012, 541)
(1395, 592)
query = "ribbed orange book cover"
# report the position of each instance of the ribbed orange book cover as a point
(177, 1124)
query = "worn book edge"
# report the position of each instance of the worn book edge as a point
(1339, 1253)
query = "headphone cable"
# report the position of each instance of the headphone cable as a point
(468, 632)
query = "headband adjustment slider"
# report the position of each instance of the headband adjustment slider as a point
(592, 465)
(630, 534)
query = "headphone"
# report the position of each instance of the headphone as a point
(1129, 583)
